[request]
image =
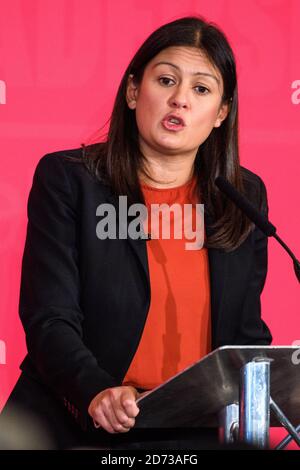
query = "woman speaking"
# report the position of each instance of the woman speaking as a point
(108, 317)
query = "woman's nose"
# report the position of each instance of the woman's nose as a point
(179, 99)
(179, 103)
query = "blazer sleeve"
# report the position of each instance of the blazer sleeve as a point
(252, 329)
(49, 305)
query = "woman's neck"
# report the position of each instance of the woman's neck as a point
(167, 173)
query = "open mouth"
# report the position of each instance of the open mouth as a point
(173, 123)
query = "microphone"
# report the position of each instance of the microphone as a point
(255, 216)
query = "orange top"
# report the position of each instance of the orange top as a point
(177, 331)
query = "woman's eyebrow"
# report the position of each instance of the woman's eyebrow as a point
(194, 73)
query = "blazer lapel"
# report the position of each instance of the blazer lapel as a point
(218, 266)
(137, 245)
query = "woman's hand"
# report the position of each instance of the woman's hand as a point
(114, 409)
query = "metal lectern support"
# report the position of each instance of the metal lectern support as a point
(229, 424)
(249, 421)
(254, 417)
(293, 432)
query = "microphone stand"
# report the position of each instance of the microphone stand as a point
(255, 216)
(291, 254)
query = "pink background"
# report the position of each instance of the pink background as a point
(62, 61)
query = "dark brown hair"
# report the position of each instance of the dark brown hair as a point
(116, 161)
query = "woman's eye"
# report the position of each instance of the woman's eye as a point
(164, 80)
(202, 90)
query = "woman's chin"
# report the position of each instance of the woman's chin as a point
(170, 144)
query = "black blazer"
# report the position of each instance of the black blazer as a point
(84, 301)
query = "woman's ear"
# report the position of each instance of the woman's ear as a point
(131, 92)
(222, 114)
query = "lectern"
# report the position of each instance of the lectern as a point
(242, 390)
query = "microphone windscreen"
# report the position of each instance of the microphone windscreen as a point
(239, 199)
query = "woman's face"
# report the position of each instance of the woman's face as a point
(180, 81)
